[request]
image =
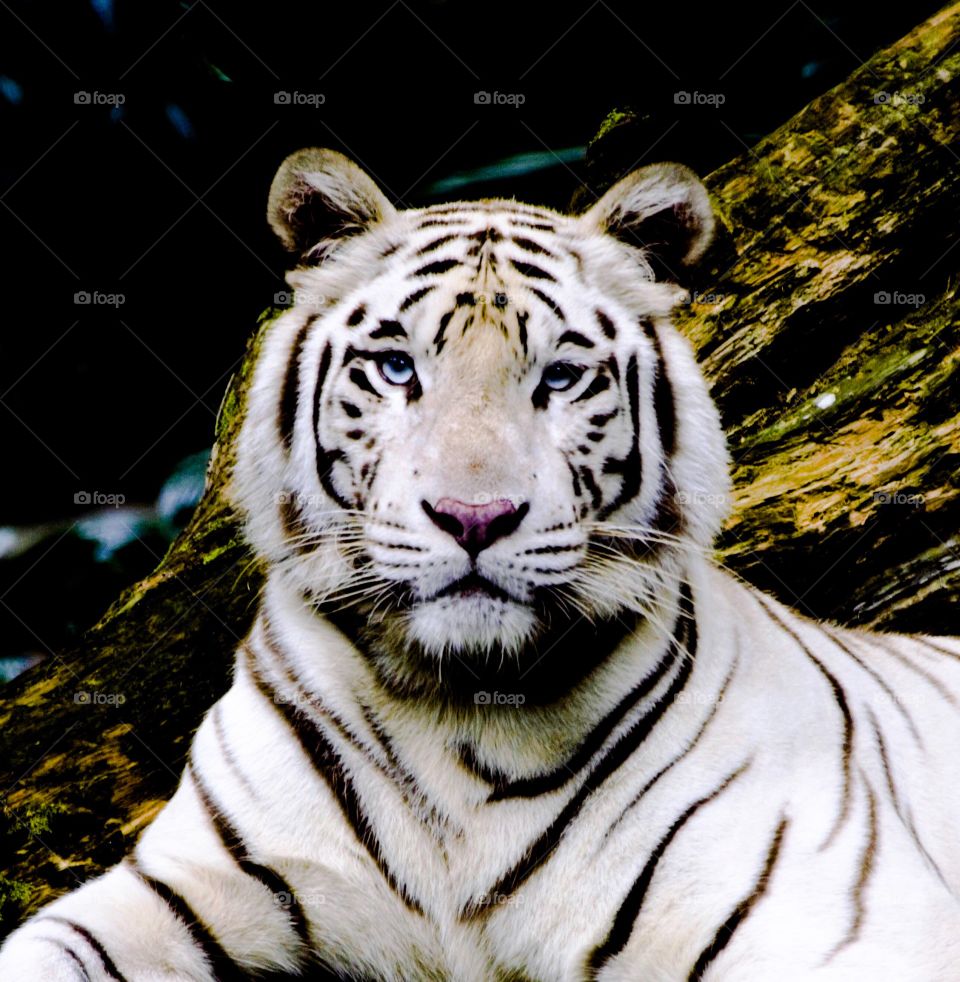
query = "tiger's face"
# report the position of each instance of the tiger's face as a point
(476, 423)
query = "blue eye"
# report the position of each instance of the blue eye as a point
(561, 375)
(396, 367)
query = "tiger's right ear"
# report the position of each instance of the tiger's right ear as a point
(319, 197)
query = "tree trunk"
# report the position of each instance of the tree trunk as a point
(825, 318)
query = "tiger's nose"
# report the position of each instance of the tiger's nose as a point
(476, 526)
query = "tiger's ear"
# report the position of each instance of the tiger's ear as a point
(319, 197)
(663, 209)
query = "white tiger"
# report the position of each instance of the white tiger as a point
(500, 717)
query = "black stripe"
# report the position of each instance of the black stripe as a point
(594, 740)
(440, 223)
(606, 325)
(294, 522)
(439, 339)
(388, 329)
(70, 953)
(359, 378)
(485, 235)
(522, 328)
(726, 930)
(663, 400)
(325, 458)
(629, 466)
(224, 968)
(629, 911)
(435, 244)
(549, 301)
(354, 412)
(867, 859)
(287, 416)
(841, 700)
(879, 679)
(575, 337)
(927, 643)
(621, 750)
(440, 266)
(416, 296)
(528, 245)
(541, 550)
(534, 272)
(356, 316)
(681, 756)
(895, 798)
(228, 755)
(600, 383)
(590, 483)
(542, 226)
(234, 844)
(109, 967)
(329, 767)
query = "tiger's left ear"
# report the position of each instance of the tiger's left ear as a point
(320, 197)
(663, 209)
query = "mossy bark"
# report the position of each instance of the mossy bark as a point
(843, 414)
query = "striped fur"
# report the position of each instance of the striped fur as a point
(569, 749)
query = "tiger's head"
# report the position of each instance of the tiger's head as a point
(476, 425)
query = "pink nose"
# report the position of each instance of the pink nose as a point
(476, 526)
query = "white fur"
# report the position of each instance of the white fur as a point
(865, 881)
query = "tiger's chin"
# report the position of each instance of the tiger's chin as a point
(471, 625)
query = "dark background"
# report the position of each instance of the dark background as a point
(161, 200)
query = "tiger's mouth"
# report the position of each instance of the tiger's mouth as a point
(475, 585)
